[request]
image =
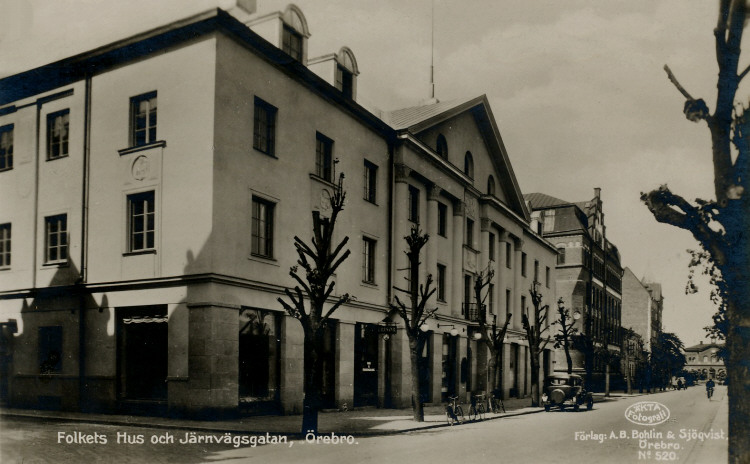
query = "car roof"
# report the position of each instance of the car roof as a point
(564, 376)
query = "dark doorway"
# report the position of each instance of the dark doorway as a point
(450, 353)
(328, 363)
(142, 354)
(425, 369)
(366, 365)
(259, 350)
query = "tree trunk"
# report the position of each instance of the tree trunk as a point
(606, 380)
(738, 345)
(313, 385)
(568, 359)
(492, 368)
(416, 394)
(534, 364)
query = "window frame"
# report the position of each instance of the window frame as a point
(508, 256)
(289, 37)
(441, 147)
(262, 246)
(491, 247)
(135, 113)
(344, 80)
(469, 234)
(149, 197)
(371, 182)
(442, 225)
(440, 282)
(63, 143)
(469, 165)
(59, 236)
(413, 204)
(264, 127)
(6, 230)
(547, 275)
(523, 264)
(324, 157)
(6, 147)
(560, 255)
(369, 246)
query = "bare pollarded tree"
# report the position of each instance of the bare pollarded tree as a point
(721, 225)
(318, 262)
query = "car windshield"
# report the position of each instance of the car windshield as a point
(558, 381)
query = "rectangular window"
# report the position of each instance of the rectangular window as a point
(50, 349)
(6, 147)
(546, 276)
(467, 291)
(523, 264)
(368, 260)
(508, 255)
(143, 119)
(508, 300)
(442, 219)
(561, 255)
(323, 157)
(56, 239)
(440, 282)
(292, 43)
(57, 134)
(491, 250)
(262, 233)
(491, 299)
(141, 222)
(264, 127)
(469, 233)
(536, 271)
(5, 245)
(523, 304)
(549, 220)
(344, 81)
(413, 204)
(371, 182)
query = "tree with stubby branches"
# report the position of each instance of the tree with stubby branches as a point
(721, 225)
(318, 262)
(414, 313)
(535, 325)
(492, 336)
(564, 336)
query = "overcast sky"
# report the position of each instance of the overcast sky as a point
(577, 88)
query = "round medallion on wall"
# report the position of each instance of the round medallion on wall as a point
(141, 167)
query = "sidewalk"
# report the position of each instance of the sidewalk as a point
(359, 422)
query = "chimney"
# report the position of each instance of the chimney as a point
(597, 192)
(248, 6)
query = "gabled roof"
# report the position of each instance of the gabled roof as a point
(541, 200)
(405, 118)
(416, 119)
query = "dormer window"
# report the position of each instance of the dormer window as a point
(442, 147)
(292, 43)
(469, 165)
(344, 81)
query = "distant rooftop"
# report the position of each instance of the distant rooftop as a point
(541, 200)
(407, 117)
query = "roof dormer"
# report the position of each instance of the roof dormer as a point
(286, 29)
(338, 69)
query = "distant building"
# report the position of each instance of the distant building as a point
(589, 273)
(642, 305)
(141, 257)
(703, 360)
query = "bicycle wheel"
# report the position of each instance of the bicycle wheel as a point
(480, 411)
(472, 413)
(460, 414)
(449, 416)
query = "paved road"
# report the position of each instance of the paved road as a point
(599, 436)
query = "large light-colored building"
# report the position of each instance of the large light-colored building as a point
(642, 305)
(703, 361)
(151, 192)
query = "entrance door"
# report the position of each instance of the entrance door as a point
(142, 353)
(366, 365)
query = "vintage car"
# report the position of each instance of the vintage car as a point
(565, 389)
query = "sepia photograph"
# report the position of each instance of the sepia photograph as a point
(367, 231)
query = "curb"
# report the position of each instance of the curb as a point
(229, 429)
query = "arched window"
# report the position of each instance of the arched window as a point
(491, 186)
(469, 165)
(442, 147)
(294, 32)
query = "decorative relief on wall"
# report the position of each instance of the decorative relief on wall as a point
(141, 168)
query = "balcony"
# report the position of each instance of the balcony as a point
(472, 313)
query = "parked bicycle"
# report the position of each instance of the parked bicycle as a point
(495, 404)
(453, 411)
(476, 410)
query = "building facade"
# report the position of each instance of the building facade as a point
(642, 305)
(152, 191)
(589, 273)
(704, 362)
